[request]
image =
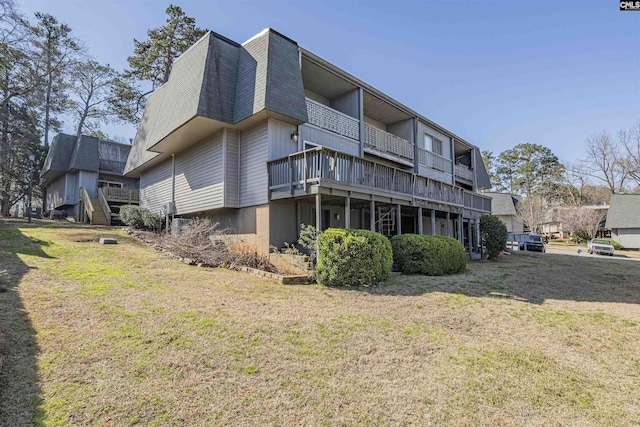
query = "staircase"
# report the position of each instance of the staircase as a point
(98, 217)
(105, 209)
(387, 220)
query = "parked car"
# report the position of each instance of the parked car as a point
(600, 246)
(533, 242)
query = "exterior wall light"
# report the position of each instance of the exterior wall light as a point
(294, 136)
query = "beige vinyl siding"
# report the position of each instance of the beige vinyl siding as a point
(280, 143)
(315, 135)
(254, 179)
(89, 180)
(200, 176)
(155, 187)
(232, 164)
(55, 193)
(71, 192)
(629, 237)
(446, 146)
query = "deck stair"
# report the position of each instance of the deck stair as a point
(386, 220)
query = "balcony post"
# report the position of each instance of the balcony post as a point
(460, 230)
(453, 161)
(448, 224)
(415, 145)
(420, 228)
(347, 212)
(318, 223)
(469, 236)
(433, 222)
(398, 219)
(372, 215)
(473, 165)
(361, 118)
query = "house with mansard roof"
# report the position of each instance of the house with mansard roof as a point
(264, 135)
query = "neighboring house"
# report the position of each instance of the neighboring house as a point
(504, 206)
(264, 136)
(623, 220)
(84, 178)
(556, 224)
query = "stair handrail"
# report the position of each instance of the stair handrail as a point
(88, 205)
(105, 205)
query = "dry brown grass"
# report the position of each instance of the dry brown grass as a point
(120, 335)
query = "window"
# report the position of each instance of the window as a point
(102, 183)
(433, 144)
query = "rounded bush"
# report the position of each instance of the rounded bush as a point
(494, 234)
(139, 217)
(132, 216)
(353, 258)
(430, 255)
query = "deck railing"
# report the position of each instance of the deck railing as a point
(121, 194)
(333, 120)
(104, 204)
(112, 166)
(433, 160)
(306, 168)
(386, 142)
(464, 172)
(87, 204)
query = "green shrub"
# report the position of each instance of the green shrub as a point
(150, 220)
(353, 258)
(139, 217)
(494, 234)
(616, 245)
(131, 216)
(430, 255)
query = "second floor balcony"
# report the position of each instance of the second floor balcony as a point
(298, 172)
(387, 143)
(112, 166)
(333, 120)
(433, 161)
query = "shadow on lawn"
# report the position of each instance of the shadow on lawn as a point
(20, 394)
(531, 278)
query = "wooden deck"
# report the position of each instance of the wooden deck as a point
(304, 172)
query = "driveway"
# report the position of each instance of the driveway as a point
(584, 253)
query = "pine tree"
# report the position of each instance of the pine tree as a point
(151, 62)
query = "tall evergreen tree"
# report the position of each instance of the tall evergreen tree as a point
(55, 49)
(91, 92)
(151, 62)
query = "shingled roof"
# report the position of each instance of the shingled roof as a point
(503, 203)
(68, 153)
(624, 211)
(216, 83)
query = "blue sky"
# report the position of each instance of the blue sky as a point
(497, 73)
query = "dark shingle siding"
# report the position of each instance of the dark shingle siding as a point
(218, 95)
(252, 78)
(285, 90)
(623, 212)
(60, 153)
(85, 156)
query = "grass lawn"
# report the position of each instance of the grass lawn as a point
(120, 335)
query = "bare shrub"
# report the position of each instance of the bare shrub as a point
(204, 242)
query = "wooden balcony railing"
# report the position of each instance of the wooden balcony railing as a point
(306, 168)
(464, 172)
(112, 166)
(433, 160)
(121, 194)
(386, 142)
(333, 120)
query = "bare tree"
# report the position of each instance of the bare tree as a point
(630, 140)
(605, 162)
(532, 212)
